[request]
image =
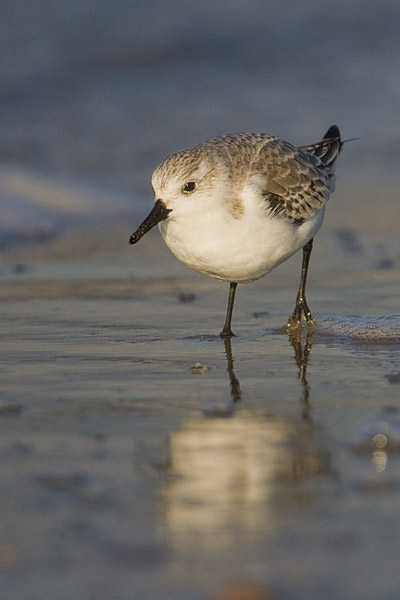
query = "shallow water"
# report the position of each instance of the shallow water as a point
(142, 454)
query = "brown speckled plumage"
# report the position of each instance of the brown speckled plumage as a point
(295, 182)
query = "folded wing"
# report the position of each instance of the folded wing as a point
(296, 182)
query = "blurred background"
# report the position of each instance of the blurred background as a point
(93, 95)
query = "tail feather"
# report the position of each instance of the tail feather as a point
(333, 132)
(327, 150)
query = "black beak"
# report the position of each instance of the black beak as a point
(159, 213)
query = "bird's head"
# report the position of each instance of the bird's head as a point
(186, 184)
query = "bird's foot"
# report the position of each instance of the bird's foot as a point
(227, 333)
(295, 322)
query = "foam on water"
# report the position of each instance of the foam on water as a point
(361, 328)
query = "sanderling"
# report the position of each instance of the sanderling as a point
(237, 206)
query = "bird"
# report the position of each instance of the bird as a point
(237, 206)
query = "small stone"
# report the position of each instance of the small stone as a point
(393, 377)
(19, 268)
(261, 313)
(199, 369)
(62, 480)
(186, 297)
(10, 408)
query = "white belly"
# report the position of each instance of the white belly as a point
(236, 250)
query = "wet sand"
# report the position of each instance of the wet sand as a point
(142, 457)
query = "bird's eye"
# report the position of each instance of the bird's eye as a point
(189, 187)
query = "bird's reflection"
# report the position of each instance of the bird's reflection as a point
(226, 476)
(232, 479)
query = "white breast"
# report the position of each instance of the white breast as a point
(236, 249)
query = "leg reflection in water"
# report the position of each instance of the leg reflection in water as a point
(301, 343)
(235, 385)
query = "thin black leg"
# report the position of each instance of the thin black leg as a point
(301, 303)
(227, 331)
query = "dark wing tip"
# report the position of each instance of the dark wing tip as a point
(328, 148)
(333, 132)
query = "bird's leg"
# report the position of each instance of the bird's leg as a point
(227, 331)
(301, 303)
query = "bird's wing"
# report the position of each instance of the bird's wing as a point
(296, 182)
(327, 150)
